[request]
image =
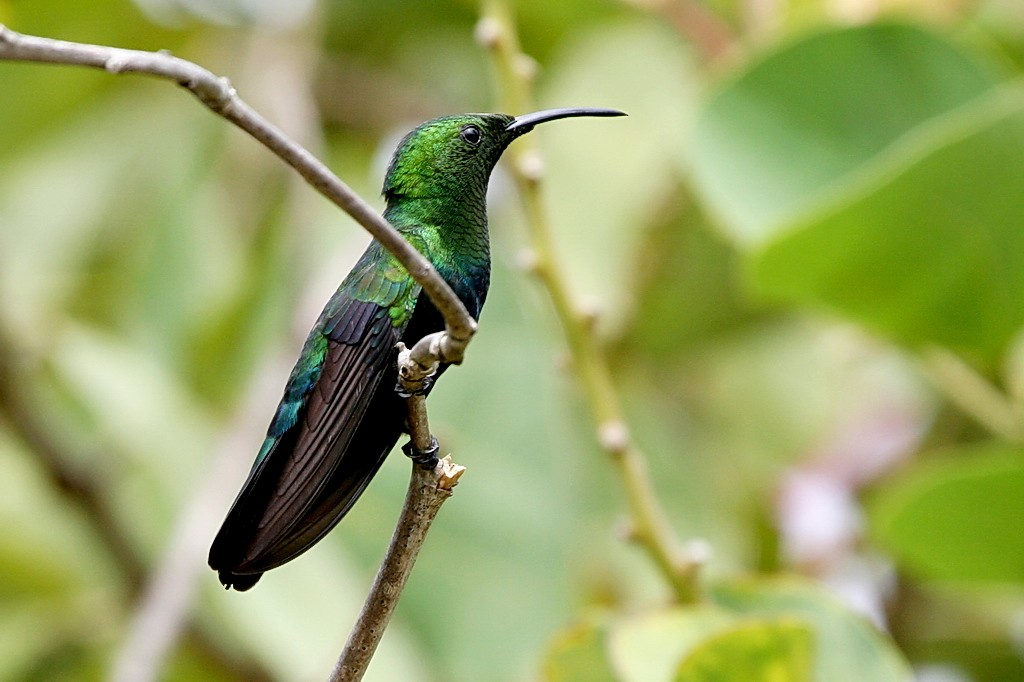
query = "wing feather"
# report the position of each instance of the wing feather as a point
(328, 422)
(322, 448)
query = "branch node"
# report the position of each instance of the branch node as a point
(531, 166)
(488, 33)
(527, 261)
(426, 458)
(590, 313)
(613, 435)
(116, 63)
(526, 66)
(695, 554)
(216, 92)
(450, 473)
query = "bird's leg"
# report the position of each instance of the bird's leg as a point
(425, 458)
(422, 387)
(422, 447)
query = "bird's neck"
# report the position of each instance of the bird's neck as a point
(451, 225)
(451, 230)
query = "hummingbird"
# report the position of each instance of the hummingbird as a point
(341, 413)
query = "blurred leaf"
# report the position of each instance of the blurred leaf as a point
(46, 546)
(760, 651)
(754, 629)
(156, 436)
(59, 593)
(25, 638)
(192, 663)
(649, 648)
(579, 654)
(808, 115)
(847, 647)
(889, 213)
(686, 290)
(225, 349)
(958, 518)
(930, 252)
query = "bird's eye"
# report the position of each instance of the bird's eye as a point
(471, 134)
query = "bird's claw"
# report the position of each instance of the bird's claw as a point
(422, 389)
(425, 458)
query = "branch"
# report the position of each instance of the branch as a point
(964, 387)
(218, 95)
(427, 492)
(650, 528)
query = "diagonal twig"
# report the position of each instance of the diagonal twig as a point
(220, 97)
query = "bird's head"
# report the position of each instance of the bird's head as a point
(455, 155)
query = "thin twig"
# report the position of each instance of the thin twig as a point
(963, 386)
(427, 492)
(220, 97)
(650, 528)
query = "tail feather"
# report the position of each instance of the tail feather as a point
(238, 581)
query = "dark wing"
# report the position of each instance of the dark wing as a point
(332, 431)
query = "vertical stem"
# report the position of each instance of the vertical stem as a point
(969, 391)
(514, 71)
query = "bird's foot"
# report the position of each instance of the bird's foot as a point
(422, 387)
(425, 458)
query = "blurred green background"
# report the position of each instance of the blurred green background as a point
(806, 248)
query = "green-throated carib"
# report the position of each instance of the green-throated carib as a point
(340, 414)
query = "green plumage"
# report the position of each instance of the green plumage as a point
(340, 415)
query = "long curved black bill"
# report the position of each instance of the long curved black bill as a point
(525, 122)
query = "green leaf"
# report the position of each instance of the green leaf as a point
(649, 647)
(579, 654)
(959, 518)
(847, 647)
(758, 651)
(810, 114)
(929, 251)
(777, 630)
(875, 172)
